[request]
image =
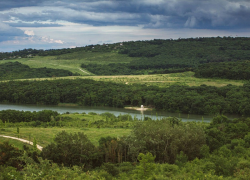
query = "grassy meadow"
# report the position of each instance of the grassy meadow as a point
(44, 136)
(161, 80)
(71, 123)
(73, 61)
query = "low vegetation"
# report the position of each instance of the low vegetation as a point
(161, 149)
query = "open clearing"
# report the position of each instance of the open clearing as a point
(44, 136)
(73, 61)
(161, 80)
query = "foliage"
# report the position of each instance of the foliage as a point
(72, 149)
(27, 116)
(9, 173)
(9, 155)
(222, 131)
(161, 149)
(165, 140)
(191, 100)
(168, 56)
(146, 166)
(16, 70)
(227, 70)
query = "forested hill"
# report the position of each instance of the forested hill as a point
(16, 70)
(166, 56)
(153, 56)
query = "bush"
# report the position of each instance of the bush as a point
(92, 113)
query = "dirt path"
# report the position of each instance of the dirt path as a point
(23, 140)
(84, 71)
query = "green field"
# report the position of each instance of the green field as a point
(44, 136)
(162, 80)
(73, 61)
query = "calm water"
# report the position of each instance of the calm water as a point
(99, 110)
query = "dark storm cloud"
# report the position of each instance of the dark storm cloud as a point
(201, 14)
(209, 14)
(9, 4)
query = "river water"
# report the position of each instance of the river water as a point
(99, 110)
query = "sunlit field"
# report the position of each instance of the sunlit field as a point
(161, 80)
(44, 136)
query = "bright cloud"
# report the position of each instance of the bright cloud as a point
(29, 33)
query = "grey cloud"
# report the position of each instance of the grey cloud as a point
(9, 4)
(36, 24)
(9, 33)
(207, 14)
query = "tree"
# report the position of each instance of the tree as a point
(146, 166)
(72, 149)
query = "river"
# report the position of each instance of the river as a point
(116, 111)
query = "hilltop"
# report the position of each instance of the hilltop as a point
(138, 57)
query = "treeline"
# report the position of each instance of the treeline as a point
(29, 53)
(13, 116)
(194, 100)
(136, 67)
(16, 70)
(227, 70)
(167, 56)
(162, 149)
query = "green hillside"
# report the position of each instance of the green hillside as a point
(140, 57)
(16, 70)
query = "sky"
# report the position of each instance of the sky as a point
(56, 24)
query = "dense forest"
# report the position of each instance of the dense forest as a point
(16, 70)
(194, 100)
(161, 149)
(224, 70)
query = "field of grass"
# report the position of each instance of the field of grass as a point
(71, 123)
(162, 80)
(44, 136)
(73, 61)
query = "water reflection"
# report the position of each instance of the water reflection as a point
(116, 111)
